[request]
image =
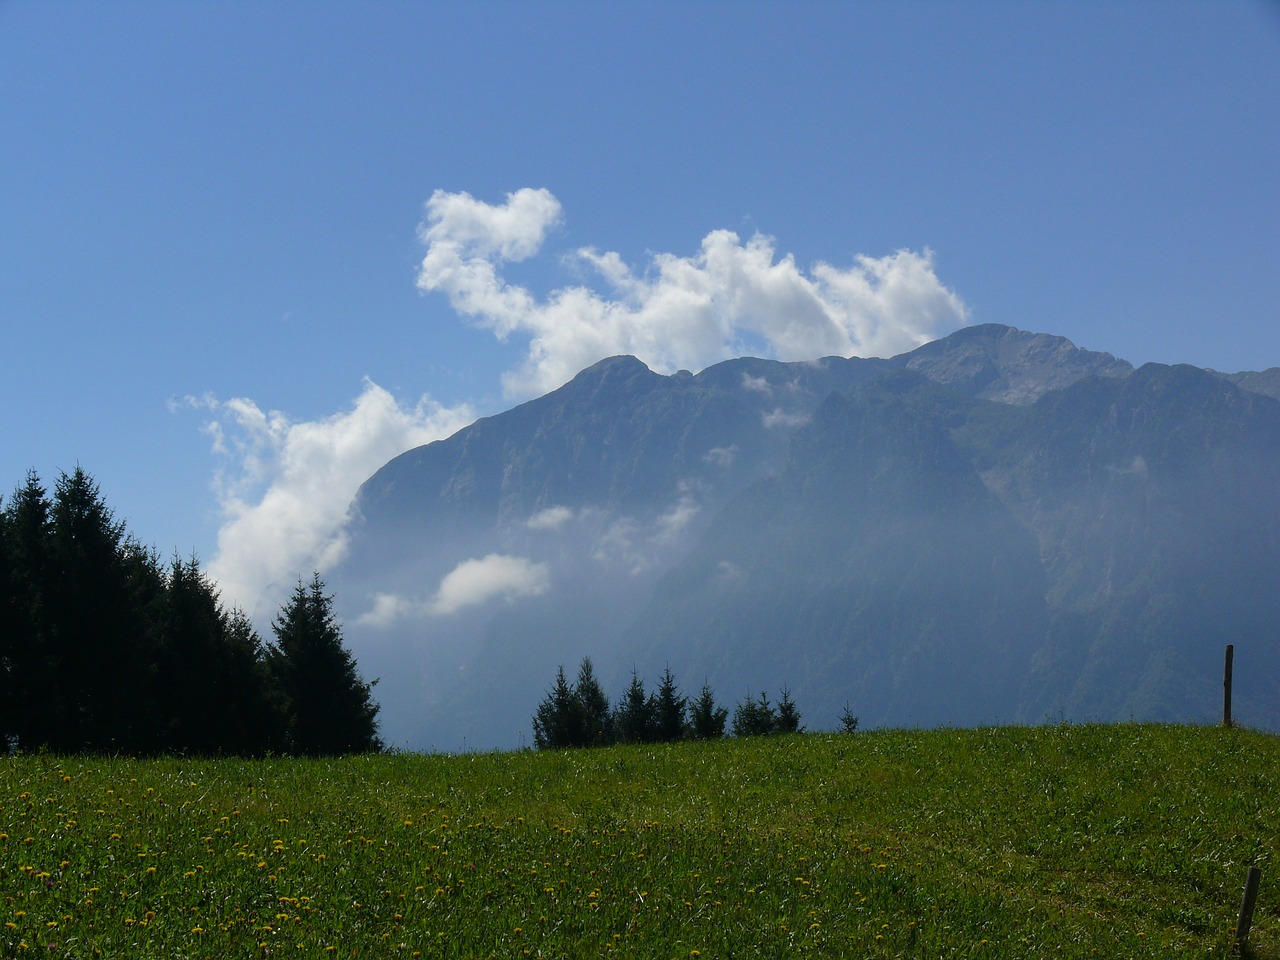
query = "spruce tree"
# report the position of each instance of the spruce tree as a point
(848, 719)
(98, 635)
(559, 721)
(35, 690)
(255, 720)
(8, 734)
(669, 721)
(788, 719)
(634, 719)
(753, 718)
(191, 691)
(215, 695)
(706, 719)
(329, 709)
(595, 706)
(143, 604)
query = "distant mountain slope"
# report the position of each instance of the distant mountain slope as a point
(997, 526)
(995, 362)
(1258, 381)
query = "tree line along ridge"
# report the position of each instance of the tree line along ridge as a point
(104, 649)
(579, 714)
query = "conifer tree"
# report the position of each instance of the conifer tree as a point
(707, 720)
(634, 720)
(753, 718)
(669, 720)
(34, 689)
(595, 706)
(98, 635)
(215, 694)
(191, 691)
(848, 719)
(559, 721)
(146, 589)
(8, 735)
(255, 719)
(788, 718)
(329, 709)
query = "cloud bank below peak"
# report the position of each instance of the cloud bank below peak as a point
(471, 583)
(284, 486)
(677, 312)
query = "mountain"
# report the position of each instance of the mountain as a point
(995, 527)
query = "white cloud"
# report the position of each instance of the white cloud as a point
(387, 609)
(471, 583)
(552, 518)
(285, 486)
(465, 239)
(783, 418)
(474, 582)
(722, 457)
(681, 514)
(677, 312)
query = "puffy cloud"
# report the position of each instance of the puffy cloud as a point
(469, 584)
(474, 582)
(387, 609)
(513, 231)
(465, 240)
(783, 418)
(678, 312)
(552, 518)
(285, 486)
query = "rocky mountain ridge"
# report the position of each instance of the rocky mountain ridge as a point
(996, 527)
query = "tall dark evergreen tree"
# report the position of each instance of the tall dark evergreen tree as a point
(669, 720)
(634, 720)
(191, 694)
(146, 588)
(706, 719)
(753, 718)
(34, 686)
(256, 716)
(215, 695)
(8, 609)
(329, 709)
(103, 649)
(595, 706)
(788, 719)
(98, 635)
(559, 721)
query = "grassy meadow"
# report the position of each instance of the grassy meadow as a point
(1071, 841)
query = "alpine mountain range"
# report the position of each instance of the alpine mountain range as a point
(997, 527)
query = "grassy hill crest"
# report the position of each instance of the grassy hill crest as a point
(1067, 840)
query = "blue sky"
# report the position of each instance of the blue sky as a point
(214, 217)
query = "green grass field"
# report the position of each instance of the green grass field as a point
(1071, 841)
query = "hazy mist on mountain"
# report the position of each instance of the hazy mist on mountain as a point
(996, 527)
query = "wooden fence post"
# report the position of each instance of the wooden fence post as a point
(1247, 905)
(1226, 687)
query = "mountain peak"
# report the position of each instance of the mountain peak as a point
(619, 366)
(997, 362)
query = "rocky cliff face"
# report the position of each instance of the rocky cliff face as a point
(996, 527)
